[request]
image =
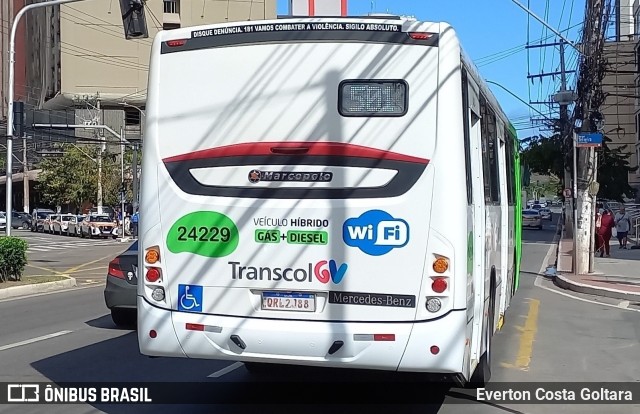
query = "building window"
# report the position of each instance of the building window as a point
(170, 26)
(131, 117)
(172, 6)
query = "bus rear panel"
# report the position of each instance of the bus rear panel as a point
(304, 197)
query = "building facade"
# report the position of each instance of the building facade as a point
(75, 66)
(619, 107)
(78, 56)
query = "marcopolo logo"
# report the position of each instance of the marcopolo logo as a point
(255, 176)
(325, 271)
(375, 232)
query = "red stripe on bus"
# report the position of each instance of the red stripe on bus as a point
(296, 148)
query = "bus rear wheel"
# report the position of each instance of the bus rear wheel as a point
(482, 374)
(258, 368)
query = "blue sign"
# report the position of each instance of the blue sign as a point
(589, 139)
(190, 298)
(375, 232)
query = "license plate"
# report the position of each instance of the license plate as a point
(289, 301)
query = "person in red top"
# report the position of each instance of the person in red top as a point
(607, 222)
(599, 242)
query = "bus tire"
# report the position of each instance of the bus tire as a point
(258, 368)
(123, 318)
(482, 373)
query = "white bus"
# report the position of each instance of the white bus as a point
(325, 192)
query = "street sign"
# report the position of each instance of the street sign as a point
(567, 192)
(589, 139)
(50, 154)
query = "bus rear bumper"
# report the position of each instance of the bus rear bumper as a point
(383, 346)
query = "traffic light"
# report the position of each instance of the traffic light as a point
(134, 19)
(18, 119)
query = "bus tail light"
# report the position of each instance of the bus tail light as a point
(434, 305)
(420, 35)
(176, 43)
(153, 274)
(158, 294)
(439, 285)
(440, 265)
(152, 255)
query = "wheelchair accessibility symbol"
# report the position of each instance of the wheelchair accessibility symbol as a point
(190, 298)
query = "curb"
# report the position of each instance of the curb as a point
(37, 288)
(565, 283)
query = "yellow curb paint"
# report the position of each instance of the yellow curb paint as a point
(527, 337)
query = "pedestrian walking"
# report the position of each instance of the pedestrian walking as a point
(623, 225)
(134, 224)
(599, 245)
(607, 223)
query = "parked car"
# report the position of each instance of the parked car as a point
(74, 225)
(38, 218)
(121, 288)
(99, 225)
(61, 225)
(531, 218)
(3, 221)
(20, 220)
(50, 223)
(546, 214)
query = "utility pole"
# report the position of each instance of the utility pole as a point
(135, 178)
(122, 186)
(595, 24)
(564, 98)
(25, 174)
(102, 144)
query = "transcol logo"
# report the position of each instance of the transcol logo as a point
(325, 271)
(375, 232)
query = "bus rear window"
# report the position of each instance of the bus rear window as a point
(372, 98)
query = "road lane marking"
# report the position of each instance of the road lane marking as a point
(76, 268)
(46, 269)
(527, 337)
(226, 370)
(53, 292)
(33, 340)
(93, 268)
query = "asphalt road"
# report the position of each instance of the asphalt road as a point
(549, 335)
(84, 259)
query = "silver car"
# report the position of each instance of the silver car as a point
(531, 218)
(545, 213)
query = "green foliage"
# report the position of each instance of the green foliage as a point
(13, 258)
(549, 189)
(549, 155)
(544, 155)
(613, 172)
(73, 178)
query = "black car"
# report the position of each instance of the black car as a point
(20, 220)
(120, 291)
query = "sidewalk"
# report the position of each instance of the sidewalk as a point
(616, 277)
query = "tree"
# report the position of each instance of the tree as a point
(73, 177)
(549, 155)
(613, 172)
(544, 155)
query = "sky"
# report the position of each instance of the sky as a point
(494, 34)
